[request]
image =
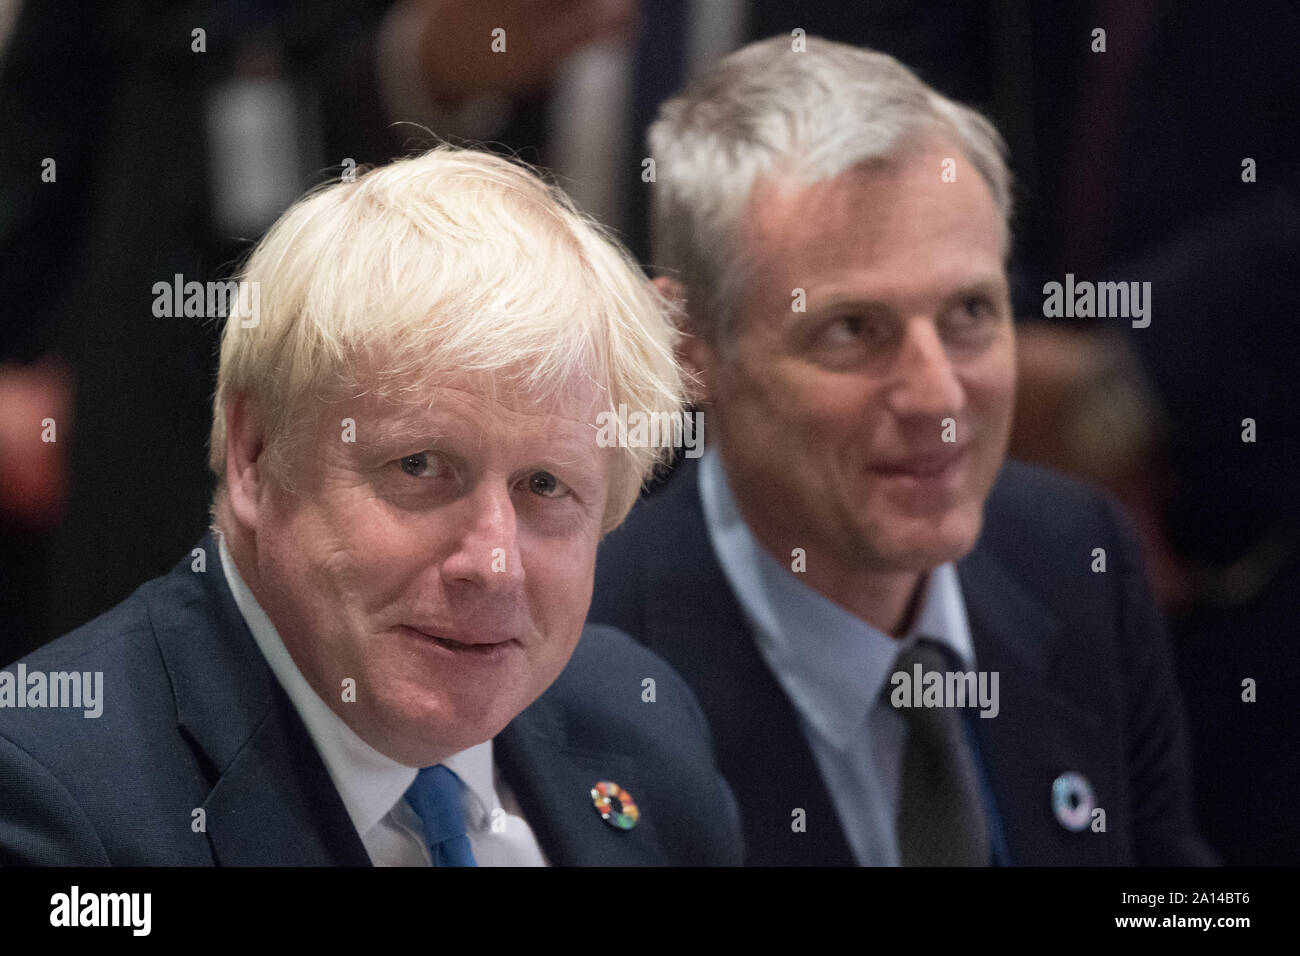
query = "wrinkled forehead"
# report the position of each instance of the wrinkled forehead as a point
(495, 396)
(876, 224)
(525, 385)
(928, 184)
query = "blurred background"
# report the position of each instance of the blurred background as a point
(143, 139)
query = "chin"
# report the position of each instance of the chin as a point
(928, 547)
(424, 743)
(442, 725)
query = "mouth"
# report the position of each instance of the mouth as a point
(485, 646)
(923, 467)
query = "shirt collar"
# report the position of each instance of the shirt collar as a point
(370, 783)
(831, 663)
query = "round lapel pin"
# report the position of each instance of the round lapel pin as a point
(615, 805)
(1073, 801)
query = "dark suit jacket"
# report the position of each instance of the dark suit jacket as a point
(194, 718)
(1085, 681)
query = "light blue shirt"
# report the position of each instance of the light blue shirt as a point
(833, 666)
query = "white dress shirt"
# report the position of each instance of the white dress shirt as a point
(373, 786)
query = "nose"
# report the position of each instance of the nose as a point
(925, 386)
(485, 554)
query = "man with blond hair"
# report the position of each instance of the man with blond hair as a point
(377, 654)
(909, 651)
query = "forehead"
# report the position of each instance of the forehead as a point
(482, 406)
(896, 222)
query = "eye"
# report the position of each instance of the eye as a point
(546, 485)
(852, 330)
(424, 464)
(976, 309)
(974, 321)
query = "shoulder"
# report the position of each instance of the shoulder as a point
(90, 744)
(621, 691)
(662, 545)
(116, 652)
(619, 699)
(1067, 546)
(618, 696)
(658, 519)
(1039, 522)
(1028, 496)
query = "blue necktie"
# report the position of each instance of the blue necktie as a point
(435, 795)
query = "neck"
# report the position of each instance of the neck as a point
(888, 600)
(885, 599)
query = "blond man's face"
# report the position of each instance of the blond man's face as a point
(442, 561)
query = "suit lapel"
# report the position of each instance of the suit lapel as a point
(272, 801)
(275, 804)
(552, 781)
(1039, 733)
(694, 620)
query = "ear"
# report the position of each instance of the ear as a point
(694, 352)
(245, 438)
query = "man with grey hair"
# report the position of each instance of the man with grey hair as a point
(377, 654)
(910, 651)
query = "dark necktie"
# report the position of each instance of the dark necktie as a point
(435, 795)
(941, 818)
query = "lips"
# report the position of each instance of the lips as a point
(461, 643)
(933, 465)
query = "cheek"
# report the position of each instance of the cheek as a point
(842, 419)
(990, 384)
(992, 399)
(997, 407)
(802, 402)
(348, 562)
(558, 584)
(559, 580)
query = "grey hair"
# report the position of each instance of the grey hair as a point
(769, 111)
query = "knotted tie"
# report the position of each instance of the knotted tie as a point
(941, 818)
(435, 795)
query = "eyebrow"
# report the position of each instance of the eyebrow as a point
(395, 434)
(414, 433)
(993, 285)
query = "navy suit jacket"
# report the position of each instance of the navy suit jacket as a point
(194, 718)
(1084, 673)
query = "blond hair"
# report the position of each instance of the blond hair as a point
(450, 262)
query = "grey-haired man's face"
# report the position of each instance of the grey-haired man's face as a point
(866, 398)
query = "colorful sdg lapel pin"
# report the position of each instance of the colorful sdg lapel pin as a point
(615, 805)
